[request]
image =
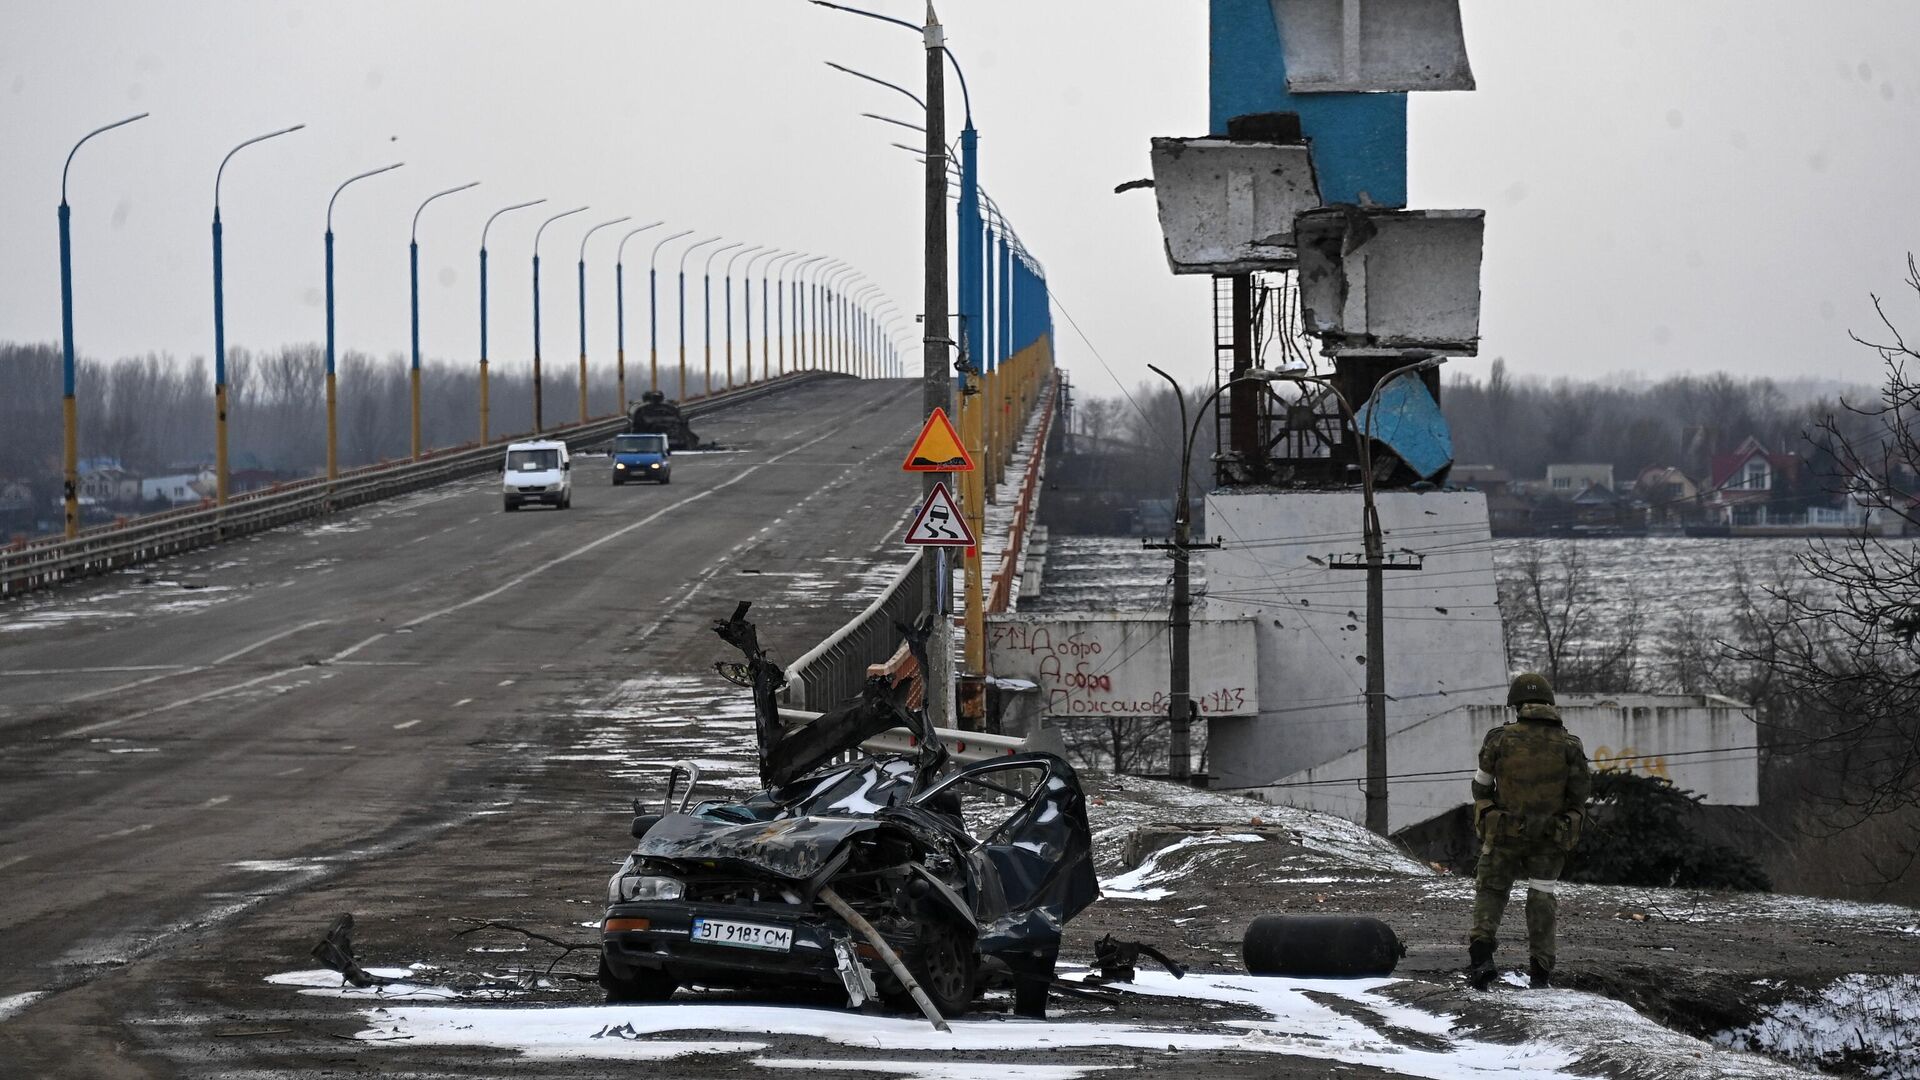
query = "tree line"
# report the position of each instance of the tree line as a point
(155, 414)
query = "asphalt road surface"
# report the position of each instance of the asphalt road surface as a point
(204, 756)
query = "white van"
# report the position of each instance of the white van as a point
(537, 472)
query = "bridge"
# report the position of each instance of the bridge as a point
(233, 741)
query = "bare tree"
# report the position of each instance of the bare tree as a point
(1561, 623)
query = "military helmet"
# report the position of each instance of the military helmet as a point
(1529, 688)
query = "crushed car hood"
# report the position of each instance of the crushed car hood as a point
(795, 848)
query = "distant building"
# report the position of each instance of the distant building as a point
(1670, 496)
(180, 489)
(1567, 480)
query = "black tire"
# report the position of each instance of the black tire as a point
(566, 501)
(645, 984)
(943, 960)
(618, 480)
(667, 479)
(511, 505)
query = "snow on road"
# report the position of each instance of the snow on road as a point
(1551, 1035)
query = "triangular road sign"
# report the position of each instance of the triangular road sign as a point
(940, 522)
(938, 449)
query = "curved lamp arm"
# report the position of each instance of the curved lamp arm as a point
(89, 135)
(415, 235)
(503, 210)
(351, 179)
(620, 250)
(222, 171)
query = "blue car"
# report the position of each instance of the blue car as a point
(641, 457)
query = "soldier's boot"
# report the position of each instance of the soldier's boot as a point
(1539, 975)
(1480, 969)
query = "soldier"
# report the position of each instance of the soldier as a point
(1529, 800)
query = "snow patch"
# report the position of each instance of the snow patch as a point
(1857, 1020)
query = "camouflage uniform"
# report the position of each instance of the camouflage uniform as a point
(1530, 797)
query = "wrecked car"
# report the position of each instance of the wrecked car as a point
(892, 876)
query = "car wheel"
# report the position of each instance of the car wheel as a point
(943, 961)
(510, 505)
(618, 480)
(645, 984)
(666, 478)
(566, 501)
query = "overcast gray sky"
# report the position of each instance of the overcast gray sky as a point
(1669, 187)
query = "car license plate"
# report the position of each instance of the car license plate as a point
(743, 935)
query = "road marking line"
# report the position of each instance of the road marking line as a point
(405, 726)
(505, 682)
(15, 859)
(270, 639)
(351, 649)
(91, 694)
(461, 702)
(102, 725)
(129, 830)
(92, 670)
(290, 772)
(215, 801)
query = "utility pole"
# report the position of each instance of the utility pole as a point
(936, 391)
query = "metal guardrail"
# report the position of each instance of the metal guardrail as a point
(836, 669)
(100, 550)
(962, 746)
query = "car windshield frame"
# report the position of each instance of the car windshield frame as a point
(535, 459)
(640, 444)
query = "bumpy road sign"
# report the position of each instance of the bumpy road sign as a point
(938, 449)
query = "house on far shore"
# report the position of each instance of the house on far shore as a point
(1670, 496)
(1564, 481)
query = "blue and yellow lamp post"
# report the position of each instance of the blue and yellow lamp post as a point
(653, 310)
(413, 275)
(69, 406)
(688, 250)
(583, 308)
(620, 313)
(220, 321)
(333, 395)
(485, 433)
(538, 416)
(727, 274)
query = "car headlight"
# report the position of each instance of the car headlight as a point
(646, 887)
(655, 465)
(619, 464)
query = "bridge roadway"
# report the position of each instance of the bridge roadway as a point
(197, 753)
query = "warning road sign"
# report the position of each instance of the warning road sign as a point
(938, 449)
(940, 522)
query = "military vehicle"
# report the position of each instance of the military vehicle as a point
(655, 414)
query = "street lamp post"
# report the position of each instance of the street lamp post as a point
(653, 310)
(537, 410)
(727, 275)
(835, 329)
(1376, 564)
(69, 404)
(484, 433)
(220, 321)
(746, 294)
(777, 270)
(333, 441)
(620, 313)
(583, 309)
(797, 324)
(413, 271)
(688, 250)
(1180, 706)
(706, 308)
(821, 352)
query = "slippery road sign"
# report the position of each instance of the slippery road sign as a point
(940, 522)
(938, 449)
